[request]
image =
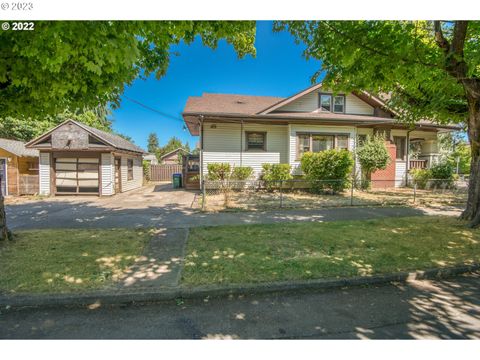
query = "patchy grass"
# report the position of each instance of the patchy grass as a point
(263, 253)
(68, 260)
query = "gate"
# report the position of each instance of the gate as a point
(164, 172)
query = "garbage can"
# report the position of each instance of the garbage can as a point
(177, 181)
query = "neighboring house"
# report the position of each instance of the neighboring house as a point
(173, 157)
(252, 130)
(78, 159)
(18, 168)
(151, 158)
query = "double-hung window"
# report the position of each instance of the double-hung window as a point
(129, 169)
(256, 140)
(320, 142)
(331, 103)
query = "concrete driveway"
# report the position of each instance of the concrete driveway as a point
(163, 207)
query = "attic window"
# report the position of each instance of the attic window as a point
(47, 140)
(94, 141)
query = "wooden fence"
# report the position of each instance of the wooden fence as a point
(28, 185)
(164, 172)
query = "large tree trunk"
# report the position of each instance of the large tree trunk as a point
(4, 233)
(472, 211)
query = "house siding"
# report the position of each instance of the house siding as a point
(309, 103)
(137, 181)
(226, 143)
(107, 169)
(44, 173)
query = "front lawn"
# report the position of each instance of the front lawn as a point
(263, 253)
(68, 260)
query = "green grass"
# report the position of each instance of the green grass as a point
(263, 253)
(68, 260)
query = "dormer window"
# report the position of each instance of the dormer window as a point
(332, 103)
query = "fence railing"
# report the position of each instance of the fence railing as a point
(164, 172)
(259, 194)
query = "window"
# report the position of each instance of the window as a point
(339, 104)
(325, 102)
(256, 140)
(320, 142)
(129, 169)
(400, 143)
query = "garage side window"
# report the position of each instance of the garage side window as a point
(129, 169)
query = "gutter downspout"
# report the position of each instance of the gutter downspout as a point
(200, 118)
(241, 142)
(407, 165)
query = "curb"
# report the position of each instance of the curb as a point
(166, 294)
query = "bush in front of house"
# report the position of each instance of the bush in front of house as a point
(327, 170)
(218, 171)
(241, 173)
(273, 174)
(146, 170)
(372, 155)
(439, 175)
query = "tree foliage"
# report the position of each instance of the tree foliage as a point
(372, 155)
(152, 143)
(78, 64)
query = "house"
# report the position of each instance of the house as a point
(251, 130)
(173, 157)
(150, 158)
(76, 159)
(18, 168)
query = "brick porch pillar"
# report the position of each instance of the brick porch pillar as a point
(386, 178)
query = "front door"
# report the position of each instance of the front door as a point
(3, 176)
(117, 175)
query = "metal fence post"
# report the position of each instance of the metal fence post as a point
(414, 192)
(281, 193)
(203, 195)
(351, 192)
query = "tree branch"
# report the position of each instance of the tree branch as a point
(439, 38)
(459, 36)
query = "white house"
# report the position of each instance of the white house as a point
(77, 159)
(251, 130)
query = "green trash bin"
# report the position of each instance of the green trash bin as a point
(177, 181)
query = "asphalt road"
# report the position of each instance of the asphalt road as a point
(422, 309)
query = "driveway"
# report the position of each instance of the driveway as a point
(163, 207)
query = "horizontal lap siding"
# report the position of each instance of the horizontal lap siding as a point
(224, 143)
(309, 103)
(107, 174)
(44, 173)
(137, 173)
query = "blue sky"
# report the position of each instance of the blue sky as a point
(278, 70)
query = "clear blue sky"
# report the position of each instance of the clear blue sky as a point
(278, 70)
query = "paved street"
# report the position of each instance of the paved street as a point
(422, 309)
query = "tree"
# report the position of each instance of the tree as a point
(85, 64)
(172, 144)
(430, 69)
(152, 143)
(372, 155)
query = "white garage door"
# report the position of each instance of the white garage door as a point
(77, 175)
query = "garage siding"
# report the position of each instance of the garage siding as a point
(107, 174)
(44, 173)
(137, 173)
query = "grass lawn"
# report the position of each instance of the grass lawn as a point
(262, 253)
(68, 260)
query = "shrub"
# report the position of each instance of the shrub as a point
(241, 173)
(334, 165)
(276, 172)
(372, 156)
(218, 171)
(146, 170)
(442, 174)
(421, 177)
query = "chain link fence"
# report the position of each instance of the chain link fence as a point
(263, 195)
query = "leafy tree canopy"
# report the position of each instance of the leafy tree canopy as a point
(77, 64)
(152, 143)
(398, 58)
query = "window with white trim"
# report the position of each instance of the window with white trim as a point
(330, 103)
(319, 142)
(256, 140)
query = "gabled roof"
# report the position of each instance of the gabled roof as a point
(17, 148)
(113, 140)
(173, 152)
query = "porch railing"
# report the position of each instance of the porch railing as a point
(418, 164)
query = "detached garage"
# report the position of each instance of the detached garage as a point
(76, 159)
